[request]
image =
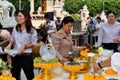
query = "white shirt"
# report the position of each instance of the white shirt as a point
(24, 38)
(108, 33)
(51, 26)
(98, 25)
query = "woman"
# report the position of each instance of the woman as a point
(62, 40)
(23, 39)
(109, 32)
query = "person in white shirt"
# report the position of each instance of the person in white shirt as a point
(109, 33)
(4, 40)
(23, 39)
(97, 28)
(50, 25)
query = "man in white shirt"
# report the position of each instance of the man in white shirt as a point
(97, 28)
(50, 25)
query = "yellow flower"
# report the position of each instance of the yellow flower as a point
(100, 49)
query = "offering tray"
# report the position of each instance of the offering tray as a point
(73, 69)
(46, 71)
(46, 66)
(86, 66)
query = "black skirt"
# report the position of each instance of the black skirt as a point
(111, 46)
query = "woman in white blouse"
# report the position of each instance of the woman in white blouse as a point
(109, 33)
(23, 39)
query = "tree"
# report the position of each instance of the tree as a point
(94, 6)
(73, 6)
(113, 5)
(25, 4)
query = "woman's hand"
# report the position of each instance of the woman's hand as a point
(21, 50)
(116, 40)
(8, 47)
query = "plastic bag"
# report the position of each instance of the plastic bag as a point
(11, 52)
(1, 50)
(47, 52)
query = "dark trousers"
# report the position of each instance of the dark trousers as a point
(24, 62)
(111, 46)
(4, 57)
(91, 39)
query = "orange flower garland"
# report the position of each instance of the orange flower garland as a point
(7, 78)
(84, 52)
(93, 77)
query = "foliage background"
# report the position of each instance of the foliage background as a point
(94, 6)
(74, 6)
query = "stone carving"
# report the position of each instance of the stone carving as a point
(84, 16)
(5, 7)
(7, 18)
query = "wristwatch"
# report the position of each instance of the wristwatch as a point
(100, 65)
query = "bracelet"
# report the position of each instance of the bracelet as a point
(100, 65)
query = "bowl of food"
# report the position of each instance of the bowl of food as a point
(73, 67)
(110, 72)
(46, 66)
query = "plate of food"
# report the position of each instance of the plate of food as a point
(72, 63)
(110, 72)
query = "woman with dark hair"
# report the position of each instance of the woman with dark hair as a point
(23, 39)
(109, 33)
(62, 40)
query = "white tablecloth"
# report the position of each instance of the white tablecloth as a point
(64, 75)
